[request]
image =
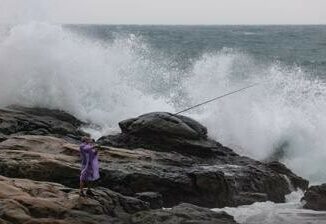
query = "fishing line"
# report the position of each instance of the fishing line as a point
(216, 98)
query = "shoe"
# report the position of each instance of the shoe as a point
(81, 194)
(90, 193)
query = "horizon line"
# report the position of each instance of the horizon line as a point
(178, 24)
(199, 24)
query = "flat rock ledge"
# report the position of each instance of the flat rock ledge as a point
(24, 201)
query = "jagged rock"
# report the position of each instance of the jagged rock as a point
(296, 181)
(315, 197)
(224, 181)
(153, 198)
(183, 213)
(17, 120)
(26, 201)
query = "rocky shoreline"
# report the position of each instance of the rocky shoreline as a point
(158, 160)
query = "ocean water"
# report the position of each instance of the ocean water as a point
(290, 212)
(104, 74)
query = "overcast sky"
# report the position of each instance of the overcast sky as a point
(166, 11)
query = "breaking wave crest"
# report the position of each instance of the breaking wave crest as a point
(282, 117)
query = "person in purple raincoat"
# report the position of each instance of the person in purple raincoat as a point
(89, 166)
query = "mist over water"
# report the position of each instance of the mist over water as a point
(104, 80)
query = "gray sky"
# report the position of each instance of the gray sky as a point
(166, 11)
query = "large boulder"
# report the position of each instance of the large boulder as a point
(16, 120)
(163, 123)
(315, 197)
(163, 131)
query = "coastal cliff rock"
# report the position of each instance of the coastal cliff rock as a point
(176, 177)
(159, 158)
(315, 198)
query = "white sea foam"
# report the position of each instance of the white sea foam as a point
(287, 109)
(290, 212)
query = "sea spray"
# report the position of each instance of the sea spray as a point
(44, 65)
(287, 108)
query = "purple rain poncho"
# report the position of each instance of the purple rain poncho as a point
(89, 163)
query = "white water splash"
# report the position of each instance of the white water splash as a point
(287, 109)
(290, 212)
(44, 65)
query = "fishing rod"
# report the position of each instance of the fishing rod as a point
(216, 98)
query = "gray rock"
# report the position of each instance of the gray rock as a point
(163, 131)
(153, 198)
(24, 201)
(178, 178)
(181, 167)
(296, 181)
(315, 198)
(3, 137)
(183, 213)
(17, 120)
(163, 123)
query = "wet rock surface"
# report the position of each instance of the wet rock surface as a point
(154, 199)
(296, 181)
(176, 177)
(315, 198)
(159, 160)
(208, 173)
(183, 213)
(17, 120)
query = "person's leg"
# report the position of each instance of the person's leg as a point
(81, 188)
(89, 186)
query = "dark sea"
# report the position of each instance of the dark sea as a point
(303, 46)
